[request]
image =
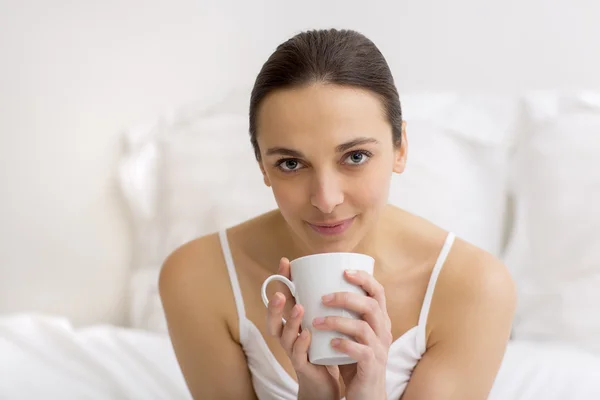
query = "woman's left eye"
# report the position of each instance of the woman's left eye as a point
(357, 158)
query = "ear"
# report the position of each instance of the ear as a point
(401, 152)
(264, 173)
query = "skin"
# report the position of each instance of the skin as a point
(328, 155)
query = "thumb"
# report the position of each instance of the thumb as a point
(284, 267)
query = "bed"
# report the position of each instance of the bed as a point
(509, 172)
(46, 357)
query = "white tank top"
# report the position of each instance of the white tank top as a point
(272, 382)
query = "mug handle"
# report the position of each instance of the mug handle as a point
(280, 278)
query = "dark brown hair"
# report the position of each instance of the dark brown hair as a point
(342, 57)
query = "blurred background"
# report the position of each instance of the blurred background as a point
(76, 76)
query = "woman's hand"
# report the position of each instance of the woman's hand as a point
(315, 381)
(366, 378)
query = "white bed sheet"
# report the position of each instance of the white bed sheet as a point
(44, 357)
(547, 371)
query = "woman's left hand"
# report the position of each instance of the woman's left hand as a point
(366, 378)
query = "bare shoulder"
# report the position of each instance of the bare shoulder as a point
(200, 313)
(472, 286)
(471, 273)
(468, 328)
(184, 259)
(470, 316)
(196, 268)
(191, 277)
(194, 276)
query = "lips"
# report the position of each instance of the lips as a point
(330, 225)
(332, 228)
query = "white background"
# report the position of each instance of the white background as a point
(75, 74)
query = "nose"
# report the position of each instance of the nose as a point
(327, 192)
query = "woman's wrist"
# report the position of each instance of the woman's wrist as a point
(368, 392)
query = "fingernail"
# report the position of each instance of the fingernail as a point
(319, 321)
(351, 272)
(327, 298)
(295, 312)
(335, 342)
(304, 333)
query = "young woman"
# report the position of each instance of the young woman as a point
(327, 130)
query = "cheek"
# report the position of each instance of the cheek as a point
(372, 190)
(289, 196)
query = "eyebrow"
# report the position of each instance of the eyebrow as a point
(340, 149)
(356, 142)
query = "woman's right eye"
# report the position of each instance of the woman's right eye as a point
(289, 165)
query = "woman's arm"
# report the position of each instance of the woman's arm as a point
(473, 308)
(212, 362)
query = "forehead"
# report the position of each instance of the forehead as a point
(323, 113)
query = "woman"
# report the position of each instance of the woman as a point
(327, 130)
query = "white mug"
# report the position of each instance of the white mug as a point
(313, 277)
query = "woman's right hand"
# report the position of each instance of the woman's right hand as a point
(315, 381)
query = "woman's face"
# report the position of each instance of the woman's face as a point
(327, 152)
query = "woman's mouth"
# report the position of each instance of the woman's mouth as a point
(332, 228)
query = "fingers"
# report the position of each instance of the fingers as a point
(291, 329)
(299, 355)
(294, 342)
(284, 267)
(275, 314)
(356, 328)
(373, 288)
(358, 352)
(276, 306)
(296, 345)
(369, 284)
(367, 307)
(352, 301)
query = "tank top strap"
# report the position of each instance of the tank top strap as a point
(235, 285)
(421, 332)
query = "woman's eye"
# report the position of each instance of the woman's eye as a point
(288, 165)
(357, 158)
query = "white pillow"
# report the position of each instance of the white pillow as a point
(190, 173)
(209, 179)
(555, 251)
(206, 178)
(142, 165)
(458, 155)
